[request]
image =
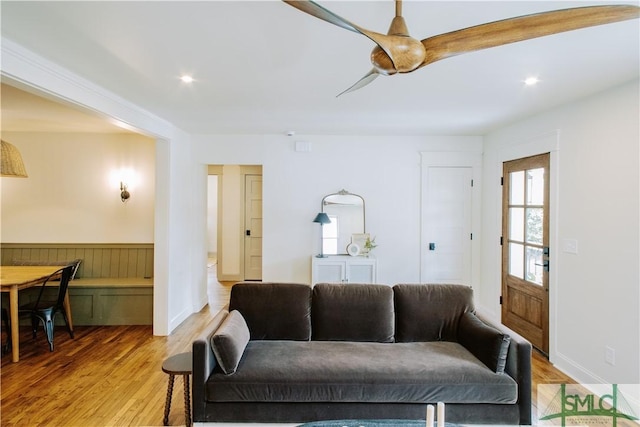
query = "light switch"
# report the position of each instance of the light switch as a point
(570, 246)
(303, 146)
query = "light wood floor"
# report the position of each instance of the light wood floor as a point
(111, 375)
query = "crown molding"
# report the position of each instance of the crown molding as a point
(30, 71)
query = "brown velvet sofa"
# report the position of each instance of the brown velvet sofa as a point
(293, 353)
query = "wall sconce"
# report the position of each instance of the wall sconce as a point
(124, 194)
(128, 180)
(322, 219)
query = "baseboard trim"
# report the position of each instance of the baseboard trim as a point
(575, 370)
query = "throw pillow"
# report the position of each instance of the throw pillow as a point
(229, 342)
(486, 343)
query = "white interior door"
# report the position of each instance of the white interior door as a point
(446, 224)
(253, 228)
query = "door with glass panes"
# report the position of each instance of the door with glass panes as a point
(525, 249)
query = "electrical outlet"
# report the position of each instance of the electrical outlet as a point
(610, 355)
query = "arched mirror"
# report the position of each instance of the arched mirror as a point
(346, 212)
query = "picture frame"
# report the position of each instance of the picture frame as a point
(360, 239)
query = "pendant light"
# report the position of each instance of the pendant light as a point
(11, 161)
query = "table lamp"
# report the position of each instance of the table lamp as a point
(322, 219)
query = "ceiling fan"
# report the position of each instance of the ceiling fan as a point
(398, 52)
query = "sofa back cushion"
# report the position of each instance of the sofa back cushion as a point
(352, 312)
(274, 311)
(430, 312)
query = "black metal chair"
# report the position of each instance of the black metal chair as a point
(7, 327)
(44, 310)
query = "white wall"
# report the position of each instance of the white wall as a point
(186, 197)
(595, 302)
(72, 195)
(385, 170)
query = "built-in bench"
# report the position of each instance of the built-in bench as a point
(113, 284)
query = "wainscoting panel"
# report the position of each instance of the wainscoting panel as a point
(126, 306)
(95, 304)
(113, 285)
(98, 259)
(82, 307)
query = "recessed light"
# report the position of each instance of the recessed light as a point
(186, 78)
(531, 81)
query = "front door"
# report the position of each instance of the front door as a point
(525, 249)
(253, 228)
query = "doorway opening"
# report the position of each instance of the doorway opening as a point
(234, 221)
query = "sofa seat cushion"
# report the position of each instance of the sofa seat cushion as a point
(336, 371)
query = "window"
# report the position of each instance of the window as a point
(330, 236)
(526, 217)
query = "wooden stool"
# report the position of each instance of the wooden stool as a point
(180, 364)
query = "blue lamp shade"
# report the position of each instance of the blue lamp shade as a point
(322, 218)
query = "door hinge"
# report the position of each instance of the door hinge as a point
(501, 241)
(502, 180)
(500, 299)
(471, 236)
(472, 183)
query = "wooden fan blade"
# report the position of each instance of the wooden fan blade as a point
(368, 78)
(523, 28)
(314, 9)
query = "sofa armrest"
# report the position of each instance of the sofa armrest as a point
(203, 364)
(518, 366)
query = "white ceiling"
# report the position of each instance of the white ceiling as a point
(25, 112)
(265, 67)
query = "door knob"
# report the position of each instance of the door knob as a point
(544, 265)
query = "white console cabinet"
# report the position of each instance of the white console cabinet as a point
(344, 269)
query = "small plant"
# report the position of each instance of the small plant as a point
(370, 244)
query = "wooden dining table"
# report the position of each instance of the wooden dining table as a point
(14, 278)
